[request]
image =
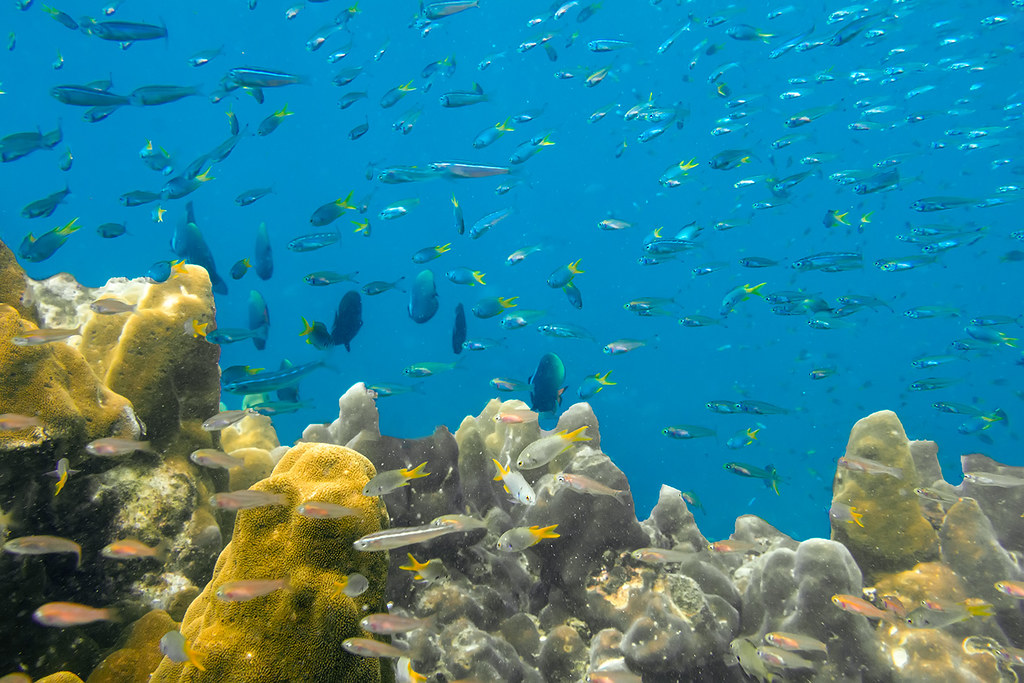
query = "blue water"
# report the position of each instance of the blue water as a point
(566, 190)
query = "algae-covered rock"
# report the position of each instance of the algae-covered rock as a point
(293, 634)
(895, 533)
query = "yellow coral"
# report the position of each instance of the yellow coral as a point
(170, 377)
(294, 634)
(896, 535)
(54, 383)
(140, 653)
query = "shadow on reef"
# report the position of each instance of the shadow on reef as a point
(535, 567)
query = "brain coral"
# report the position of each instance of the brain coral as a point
(293, 634)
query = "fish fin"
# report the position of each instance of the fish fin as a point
(502, 471)
(544, 532)
(60, 483)
(477, 89)
(983, 609)
(576, 435)
(417, 472)
(192, 658)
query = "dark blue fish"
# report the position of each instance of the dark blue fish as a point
(263, 259)
(348, 319)
(459, 329)
(259, 319)
(423, 302)
(547, 384)
(188, 243)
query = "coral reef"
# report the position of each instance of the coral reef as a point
(294, 633)
(921, 580)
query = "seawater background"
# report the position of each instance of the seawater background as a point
(566, 190)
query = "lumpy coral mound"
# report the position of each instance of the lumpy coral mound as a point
(293, 634)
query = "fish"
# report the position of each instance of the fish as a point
(43, 208)
(546, 383)
(14, 422)
(35, 250)
(855, 464)
(463, 98)
(423, 300)
(216, 459)
(249, 589)
(428, 571)
(225, 419)
(367, 647)
(287, 376)
(61, 473)
(584, 484)
(133, 549)
(459, 329)
(391, 480)
(65, 614)
(177, 648)
(687, 432)
(348, 320)
(324, 510)
(115, 446)
(246, 500)
(43, 545)
(515, 484)
(934, 615)
(392, 624)
(856, 605)
(520, 538)
(547, 448)
(769, 474)
(39, 337)
(593, 385)
(399, 537)
(353, 585)
(323, 278)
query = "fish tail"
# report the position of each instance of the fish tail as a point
(983, 609)
(857, 516)
(623, 497)
(603, 379)
(417, 472)
(192, 657)
(502, 470)
(479, 277)
(544, 532)
(67, 229)
(60, 483)
(306, 328)
(577, 435)
(508, 302)
(574, 267)
(161, 550)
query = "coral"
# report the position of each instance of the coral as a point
(55, 384)
(170, 376)
(895, 533)
(140, 653)
(13, 284)
(252, 431)
(60, 677)
(292, 634)
(791, 590)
